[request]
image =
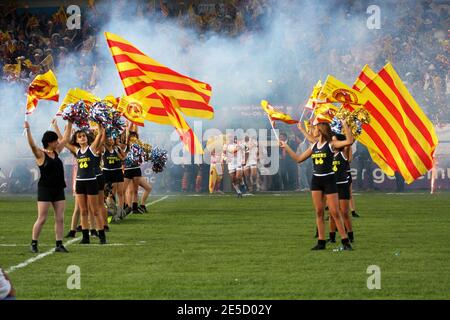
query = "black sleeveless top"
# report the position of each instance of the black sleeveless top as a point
(52, 173)
(86, 165)
(98, 170)
(341, 168)
(111, 160)
(322, 159)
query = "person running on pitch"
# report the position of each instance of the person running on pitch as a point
(251, 162)
(230, 150)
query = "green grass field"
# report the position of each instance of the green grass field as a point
(220, 247)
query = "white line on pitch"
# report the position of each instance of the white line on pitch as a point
(93, 244)
(156, 201)
(38, 257)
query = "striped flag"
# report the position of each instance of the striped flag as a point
(162, 92)
(164, 8)
(43, 87)
(400, 134)
(139, 73)
(275, 114)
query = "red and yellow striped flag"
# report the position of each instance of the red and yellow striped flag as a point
(400, 134)
(43, 87)
(275, 114)
(161, 91)
(139, 73)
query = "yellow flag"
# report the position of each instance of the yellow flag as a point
(334, 90)
(212, 179)
(111, 100)
(132, 110)
(12, 69)
(275, 114)
(325, 112)
(314, 95)
(75, 95)
(43, 87)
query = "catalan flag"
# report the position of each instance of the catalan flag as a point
(43, 87)
(275, 114)
(161, 91)
(75, 95)
(141, 74)
(400, 134)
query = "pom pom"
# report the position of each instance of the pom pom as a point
(135, 155)
(158, 157)
(77, 113)
(336, 125)
(354, 120)
(100, 114)
(116, 125)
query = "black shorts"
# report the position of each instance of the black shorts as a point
(101, 182)
(131, 173)
(113, 176)
(343, 191)
(326, 184)
(46, 194)
(87, 187)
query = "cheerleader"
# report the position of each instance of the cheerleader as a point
(101, 183)
(133, 179)
(341, 167)
(324, 179)
(51, 183)
(112, 171)
(86, 186)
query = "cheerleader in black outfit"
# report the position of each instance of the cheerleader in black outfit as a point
(134, 179)
(51, 183)
(101, 184)
(324, 180)
(86, 187)
(112, 171)
(341, 167)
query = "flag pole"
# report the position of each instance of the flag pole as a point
(303, 113)
(24, 129)
(51, 123)
(273, 128)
